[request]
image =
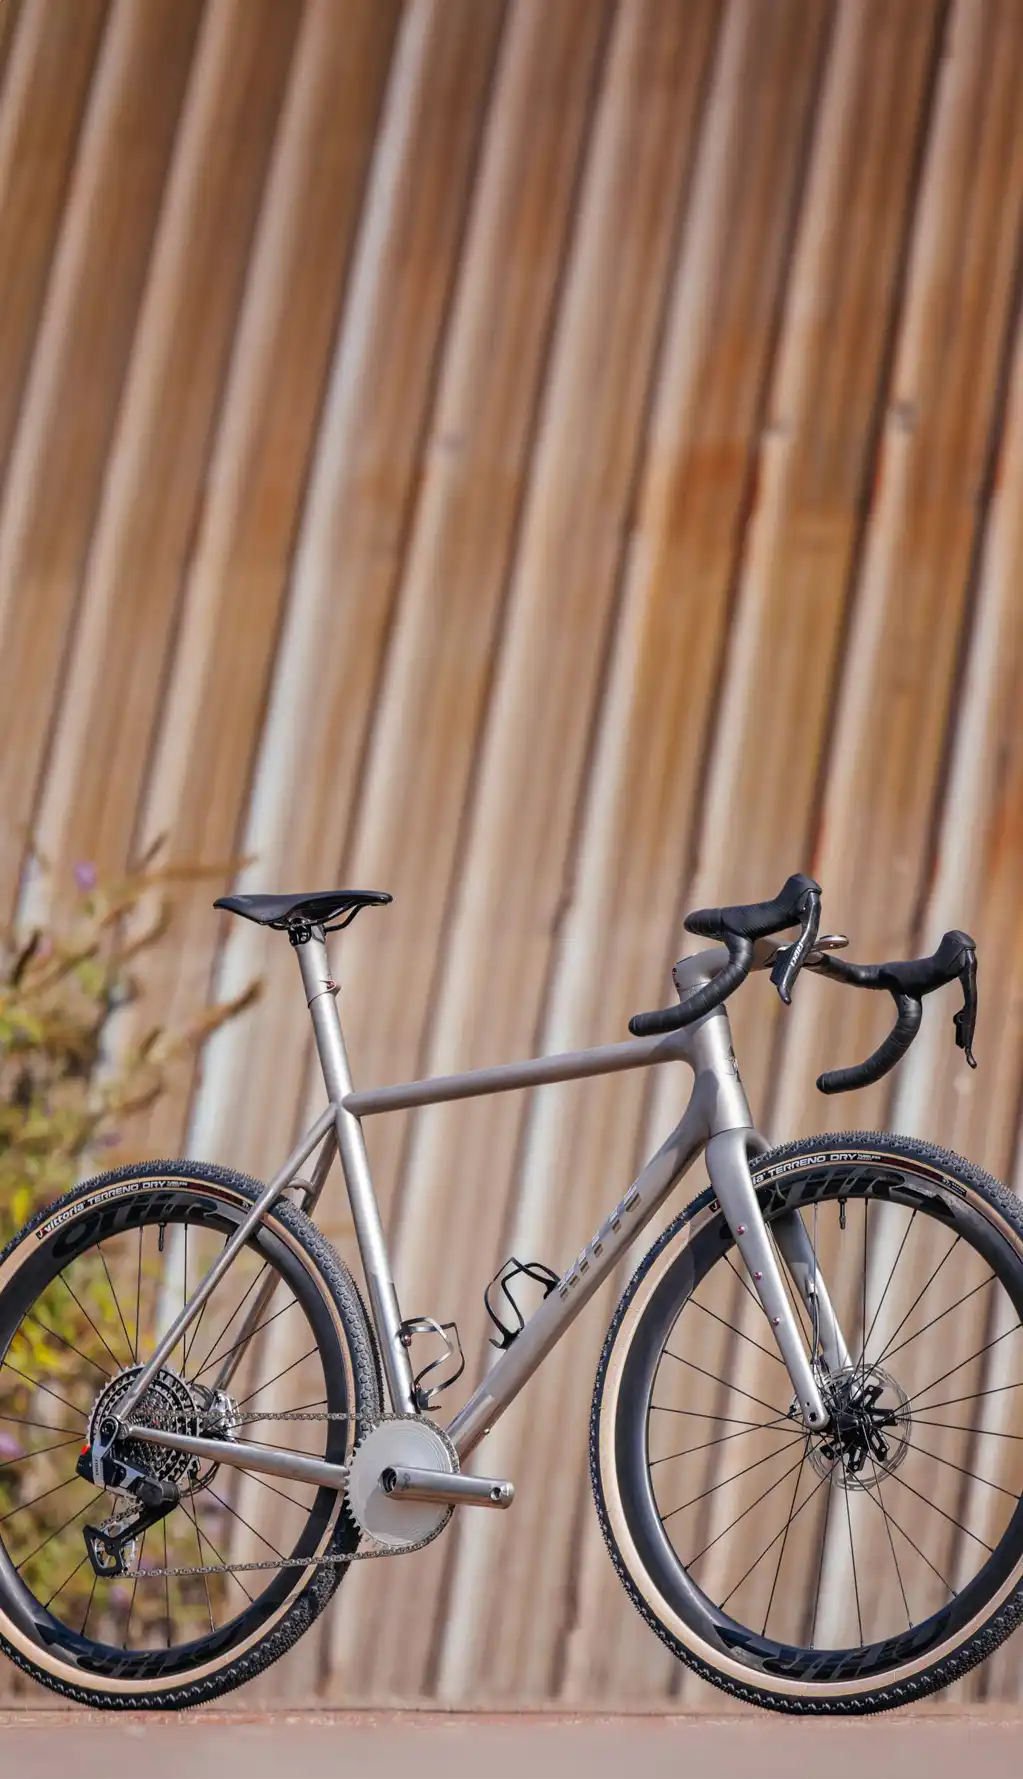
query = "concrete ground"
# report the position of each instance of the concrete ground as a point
(437, 1745)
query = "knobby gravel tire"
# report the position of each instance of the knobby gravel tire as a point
(235, 1192)
(780, 1176)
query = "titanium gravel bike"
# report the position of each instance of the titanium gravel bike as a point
(803, 1450)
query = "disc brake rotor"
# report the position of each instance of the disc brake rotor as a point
(869, 1431)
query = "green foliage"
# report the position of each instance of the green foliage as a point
(67, 1089)
(72, 1080)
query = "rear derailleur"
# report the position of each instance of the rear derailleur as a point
(112, 1544)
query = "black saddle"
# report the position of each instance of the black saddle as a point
(318, 909)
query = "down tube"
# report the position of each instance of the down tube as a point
(545, 1328)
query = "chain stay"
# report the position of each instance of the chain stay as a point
(330, 1562)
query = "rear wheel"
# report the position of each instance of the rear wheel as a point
(85, 1292)
(874, 1563)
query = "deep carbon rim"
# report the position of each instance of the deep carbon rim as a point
(200, 1214)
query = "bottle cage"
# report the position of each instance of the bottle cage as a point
(514, 1269)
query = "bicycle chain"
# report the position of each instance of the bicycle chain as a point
(328, 1562)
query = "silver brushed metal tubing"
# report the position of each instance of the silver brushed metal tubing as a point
(264, 1203)
(789, 1232)
(320, 990)
(409, 1484)
(548, 1323)
(540, 1071)
(268, 1459)
(264, 1296)
(728, 1166)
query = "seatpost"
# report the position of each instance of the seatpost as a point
(320, 992)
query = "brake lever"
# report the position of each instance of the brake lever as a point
(791, 958)
(965, 1021)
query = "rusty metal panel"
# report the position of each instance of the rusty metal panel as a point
(560, 461)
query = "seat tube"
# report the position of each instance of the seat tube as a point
(320, 992)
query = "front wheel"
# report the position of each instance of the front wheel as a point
(860, 1567)
(224, 1583)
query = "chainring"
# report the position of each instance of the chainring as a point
(395, 1441)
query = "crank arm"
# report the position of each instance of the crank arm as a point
(270, 1460)
(407, 1484)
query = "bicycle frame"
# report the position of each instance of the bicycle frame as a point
(716, 1120)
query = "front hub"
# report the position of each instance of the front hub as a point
(868, 1429)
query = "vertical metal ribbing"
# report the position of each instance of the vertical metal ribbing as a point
(320, 991)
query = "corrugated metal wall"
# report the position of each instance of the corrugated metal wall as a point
(559, 461)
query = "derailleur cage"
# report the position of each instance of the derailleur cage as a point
(156, 1498)
(426, 1395)
(514, 1269)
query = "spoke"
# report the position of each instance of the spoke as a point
(697, 1414)
(245, 1338)
(916, 1300)
(44, 1426)
(32, 1317)
(60, 1446)
(784, 1541)
(38, 1385)
(769, 1547)
(276, 1380)
(117, 1300)
(34, 1553)
(88, 1609)
(863, 1320)
(733, 1523)
(224, 1564)
(972, 1474)
(732, 1328)
(303, 1506)
(728, 1480)
(955, 1427)
(265, 1268)
(166, 1583)
(887, 1527)
(63, 1585)
(292, 1411)
(891, 1275)
(723, 1438)
(23, 1506)
(245, 1523)
(104, 1343)
(138, 1304)
(979, 1354)
(954, 1401)
(189, 1509)
(134, 1591)
(852, 1553)
(729, 1262)
(182, 1341)
(733, 1388)
(940, 1317)
(945, 1516)
(893, 1521)
(830, 1480)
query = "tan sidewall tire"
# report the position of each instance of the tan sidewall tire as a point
(912, 1678)
(339, 1295)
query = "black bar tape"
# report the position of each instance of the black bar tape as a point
(755, 920)
(703, 1000)
(885, 1057)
